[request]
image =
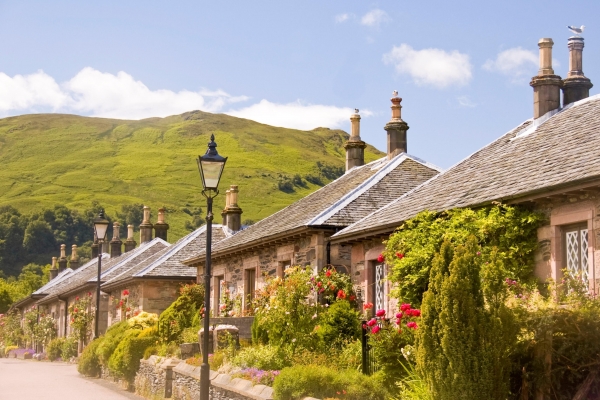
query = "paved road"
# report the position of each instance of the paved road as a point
(33, 380)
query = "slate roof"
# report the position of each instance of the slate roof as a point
(360, 191)
(86, 274)
(558, 149)
(167, 261)
(58, 278)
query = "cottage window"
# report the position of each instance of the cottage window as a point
(378, 291)
(221, 288)
(250, 286)
(576, 248)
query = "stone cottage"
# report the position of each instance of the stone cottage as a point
(299, 234)
(549, 163)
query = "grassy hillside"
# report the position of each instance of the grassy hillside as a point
(50, 159)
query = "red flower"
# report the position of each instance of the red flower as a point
(380, 258)
(368, 306)
(90, 294)
(121, 303)
(398, 321)
(128, 309)
(352, 298)
(400, 315)
(75, 310)
(364, 326)
(399, 330)
(411, 325)
(372, 322)
(125, 292)
(375, 329)
(328, 273)
(77, 298)
(341, 294)
(415, 313)
(380, 313)
(319, 284)
(400, 255)
(405, 307)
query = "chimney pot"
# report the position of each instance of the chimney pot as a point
(116, 243)
(53, 269)
(396, 129)
(576, 86)
(62, 261)
(130, 243)
(355, 147)
(546, 85)
(146, 227)
(161, 227)
(232, 214)
(74, 262)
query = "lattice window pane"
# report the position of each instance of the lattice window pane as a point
(584, 256)
(379, 288)
(573, 252)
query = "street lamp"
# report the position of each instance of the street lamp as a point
(211, 167)
(100, 228)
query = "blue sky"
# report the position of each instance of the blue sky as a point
(461, 67)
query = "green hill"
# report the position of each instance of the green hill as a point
(50, 159)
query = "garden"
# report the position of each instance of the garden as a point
(472, 322)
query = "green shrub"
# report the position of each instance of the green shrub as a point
(143, 320)
(69, 348)
(465, 333)
(350, 357)
(509, 231)
(190, 335)
(112, 337)
(295, 383)
(125, 361)
(263, 357)
(339, 324)
(150, 351)
(89, 363)
(259, 334)
(181, 314)
(54, 349)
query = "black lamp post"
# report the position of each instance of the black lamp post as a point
(211, 167)
(100, 228)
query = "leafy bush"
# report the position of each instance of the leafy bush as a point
(125, 361)
(111, 340)
(294, 383)
(257, 376)
(259, 333)
(350, 356)
(181, 313)
(339, 324)
(466, 330)
(143, 320)
(262, 357)
(54, 349)
(68, 348)
(190, 335)
(150, 351)
(8, 349)
(510, 232)
(89, 363)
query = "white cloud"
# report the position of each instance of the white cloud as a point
(297, 115)
(464, 101)
(515, 62)
(341, 18)
(432, 67)
(101, 94)
(375, 18)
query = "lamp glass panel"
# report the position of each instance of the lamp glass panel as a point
(101, 230)
(211, 172)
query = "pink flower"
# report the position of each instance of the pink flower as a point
(415, 313)
(398, 321)
(364, 326)
(412, 325)
(405, 307)
(375, 329)
(380, 313)
(90, 294)
(400, 315)
(372, 322)
(380, 258)
(77, 298)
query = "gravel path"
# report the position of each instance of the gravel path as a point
(34, 380)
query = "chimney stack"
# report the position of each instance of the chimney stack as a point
(130, 242)
(355, 147)
(62, 261)
(224, 212)
(161, 227)
(396, 129)
(576, 86)
(95, 248)
(546, 85)
(116, 243)
(232, 213)
(146, 227)
(74, 263)
(53, 269)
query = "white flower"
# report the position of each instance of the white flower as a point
(294, 340)
(314, 316)
(287, 313)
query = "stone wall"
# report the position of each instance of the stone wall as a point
(244, 324)
(160, 378)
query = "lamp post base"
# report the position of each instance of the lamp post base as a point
(204, 382)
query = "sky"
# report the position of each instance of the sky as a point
(462, 68)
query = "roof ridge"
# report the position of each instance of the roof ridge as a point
(371, 181)
(140, 252)
(173, 248)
